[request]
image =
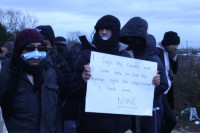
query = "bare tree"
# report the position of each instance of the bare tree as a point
(16, 20)
(72, 38)
(3, 34)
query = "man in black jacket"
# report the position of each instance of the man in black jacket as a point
(59, 63)
(28, 87)
(63, 71)
(61, 44)
(167, 51)
(106, 40)
(140, 45)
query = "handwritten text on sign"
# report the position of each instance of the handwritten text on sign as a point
(120, 85)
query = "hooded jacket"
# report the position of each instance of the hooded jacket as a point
(151, 56)
(137, 27)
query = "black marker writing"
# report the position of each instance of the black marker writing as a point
(136, 83)
(97, 79)
(119, 64)
(111, 88)
(107, 62)
(114, 81)
(144, 76)
(104, 70)
(118, 73)
(126, 101)
(147, 68)
(125, 81)
(133, 66)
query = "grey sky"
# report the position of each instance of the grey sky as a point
(182, 16)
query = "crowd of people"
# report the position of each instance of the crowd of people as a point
(43, 84)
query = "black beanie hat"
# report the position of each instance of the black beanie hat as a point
(47, 32)
(170, 38)
(108, 22)
(60, 40)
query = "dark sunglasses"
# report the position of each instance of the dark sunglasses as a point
(32, 48)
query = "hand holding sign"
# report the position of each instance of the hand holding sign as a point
(156, 79)
(86, 73)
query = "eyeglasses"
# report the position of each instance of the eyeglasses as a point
(32, 48)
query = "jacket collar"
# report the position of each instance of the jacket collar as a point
(160, 46)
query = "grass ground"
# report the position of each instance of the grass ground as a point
(187, 93)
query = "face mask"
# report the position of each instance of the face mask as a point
(33, 55)
(105, 37)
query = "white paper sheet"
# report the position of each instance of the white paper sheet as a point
(120, 85)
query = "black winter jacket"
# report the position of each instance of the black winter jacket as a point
(159, 90)
(152, 56)
(69, 106)
(137, 27)
(174, 69)
(96, 122)
(32, 112)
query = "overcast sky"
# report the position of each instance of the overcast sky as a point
(181, 16)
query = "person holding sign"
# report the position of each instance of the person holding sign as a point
(105, 40)
(134, 34)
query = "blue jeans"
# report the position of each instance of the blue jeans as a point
(70, 126)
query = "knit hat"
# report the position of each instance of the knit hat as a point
(25, 37)
(60, 41)
(47, 32)
(170, 38)
(108, 22)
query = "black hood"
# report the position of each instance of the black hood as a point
(134, 34)
(151, 44)
(108, 22)
(111, 45)
(151, 41)
(135, 27)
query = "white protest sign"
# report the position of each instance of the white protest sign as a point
(120, 85)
